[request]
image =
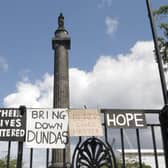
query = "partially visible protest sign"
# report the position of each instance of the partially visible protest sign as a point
(12, 125)
(47, 128)
(85, 122)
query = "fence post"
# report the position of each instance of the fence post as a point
(20, 153)
(20, 144)
(164, 113)
(8, 156)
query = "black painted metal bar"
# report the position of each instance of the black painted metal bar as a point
(105, 128)
(157, 51)
(8, 156)
(164, 113)
(20, 144)
(165, 141)
(20, 155)
(106, 139)
(31, 157)
(75, 151)
(47, 157)
(139, 148)
(64, 157)
(146, 111)
(154, 146)
(123, 147)
(156, 125)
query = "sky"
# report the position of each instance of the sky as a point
(111, 51)
(111, 60)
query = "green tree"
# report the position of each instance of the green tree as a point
(161, 16)
(12, 163)
(132, 164)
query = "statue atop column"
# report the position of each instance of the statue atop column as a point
(61, 21)
(61, 34)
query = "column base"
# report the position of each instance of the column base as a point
(58, 165)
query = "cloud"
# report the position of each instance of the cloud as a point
(122, 81)
(111, 25)
(105, 3)
(3, 65)
(128, 80)
(37, 94)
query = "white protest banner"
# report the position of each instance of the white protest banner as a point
(47, 128)
(85, 122)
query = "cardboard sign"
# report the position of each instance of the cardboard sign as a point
(47, 128)
(126, 119)
(12, 125)
(85, 122)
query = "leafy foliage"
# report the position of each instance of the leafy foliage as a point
(161, 16)
(132, 164)
(12, 163)
(162, 11)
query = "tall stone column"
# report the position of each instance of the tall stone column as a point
(60, 45)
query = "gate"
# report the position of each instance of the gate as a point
(95, 152)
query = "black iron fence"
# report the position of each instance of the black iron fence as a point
(138, 139)
(116, 141)
(139, 146)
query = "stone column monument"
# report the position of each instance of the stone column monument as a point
(60, 45)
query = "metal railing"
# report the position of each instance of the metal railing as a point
(33, 157)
